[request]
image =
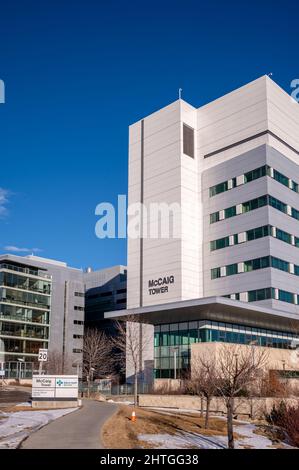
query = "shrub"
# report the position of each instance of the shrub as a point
(291, 425)
(277, 414)
(286, 418)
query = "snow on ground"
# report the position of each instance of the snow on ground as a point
(120, 402)
(181, 440)
(248, 439)
(14, 427)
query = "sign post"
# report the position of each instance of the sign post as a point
(42, 357)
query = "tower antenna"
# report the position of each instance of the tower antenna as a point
(180, 93)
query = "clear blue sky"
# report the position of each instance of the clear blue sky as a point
(77, 73)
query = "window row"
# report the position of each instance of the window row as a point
(23, 330)
(253, 204)
(24, 314)
(253, 265)
(264, 294)
(79, 294)
(24, 298)
(25, 283)
(252, 175)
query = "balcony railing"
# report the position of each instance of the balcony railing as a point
(22, 302)
(7, 317)
(46, 290)
(24, 334)
(32, 272)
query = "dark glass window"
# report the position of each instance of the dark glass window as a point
(277, 204)
(284, 236)
(285, 296)
(230, 212)
(218, 188)
(279, 264)
(214, 217)
(232, 269)
(255, 174)
(281, 178)
(215, 273)
(295, 213)
(188, 140)
(260, 294)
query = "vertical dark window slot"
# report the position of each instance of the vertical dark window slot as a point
(188, 141)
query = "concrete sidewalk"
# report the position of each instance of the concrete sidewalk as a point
(78, 430)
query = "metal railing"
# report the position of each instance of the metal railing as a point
(116, 390)
(18, 370)
(32, 272)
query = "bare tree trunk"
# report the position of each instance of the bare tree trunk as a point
(208, 400)
(201, 406)
(230, 430)
(136, 387)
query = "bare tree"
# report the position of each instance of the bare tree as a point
(203, 380)
(58, 363)
(96, 355)
(131, 340)
(238, 367)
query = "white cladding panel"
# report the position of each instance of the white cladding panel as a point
(225, 126)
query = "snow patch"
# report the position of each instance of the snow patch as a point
(15, 427)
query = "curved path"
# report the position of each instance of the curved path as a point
(78, 430)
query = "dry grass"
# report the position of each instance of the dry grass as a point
(119, 432)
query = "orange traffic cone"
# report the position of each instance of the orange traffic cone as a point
(133, 417)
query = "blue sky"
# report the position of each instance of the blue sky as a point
(77, 73)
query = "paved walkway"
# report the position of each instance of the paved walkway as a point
(78, 430)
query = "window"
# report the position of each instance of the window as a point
(232, 269)
(77, 351)
(259, 294)
(222, 187)
(78, 322)
(121, 291)
(230, 212)
(281, 178)
(106, 294)
(277, 204)
(79, 294)
(215, 273)
(81, 309)
(188, 141)
(284, 236)
(218, 244)
(218, 188)
(214, 217)
(252, 175)
(295, 213)
(279, 264)
(285, 296)
(255, 174)
(77, 336)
